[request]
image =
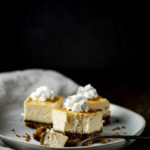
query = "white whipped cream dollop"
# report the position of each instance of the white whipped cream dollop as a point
(43, 93)
(87, 91)
(76, 103)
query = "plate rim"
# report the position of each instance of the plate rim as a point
(91, 146)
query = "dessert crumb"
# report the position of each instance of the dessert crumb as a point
(117, 128)
(88, 143)
(103, 141)
(109, 140)
(123, 127)
(14, 131)
(18, 135)
(27, 137)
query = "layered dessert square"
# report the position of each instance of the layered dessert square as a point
(76, 121)
(102, 105)
(38, 107)
(95, 101)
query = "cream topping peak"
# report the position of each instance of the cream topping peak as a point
(76, 103)
(43, 93)
(87, 91)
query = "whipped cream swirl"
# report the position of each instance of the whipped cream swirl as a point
(87, 91)
(43, 93)
(76, 103)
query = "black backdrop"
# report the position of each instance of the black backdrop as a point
(82, 39)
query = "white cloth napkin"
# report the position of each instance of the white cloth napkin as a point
(17, 85)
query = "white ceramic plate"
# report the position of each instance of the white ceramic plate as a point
(10, 118)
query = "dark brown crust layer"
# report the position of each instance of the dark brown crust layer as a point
(73, 137)
(107, 120)
(34, 124)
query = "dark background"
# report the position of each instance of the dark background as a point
(105, 44)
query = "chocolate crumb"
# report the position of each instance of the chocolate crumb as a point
(117, 128)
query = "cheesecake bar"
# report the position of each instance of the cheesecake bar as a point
(100, 104)
(96, 102)
(75, 120)
(49, 137)
(77, 125)
(38, 107)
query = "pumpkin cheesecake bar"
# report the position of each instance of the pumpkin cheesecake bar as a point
(75, 120)
(95, 101)
(38, 107)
